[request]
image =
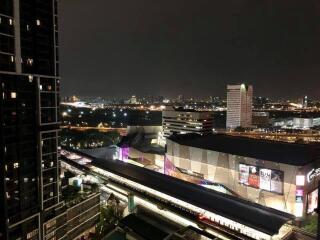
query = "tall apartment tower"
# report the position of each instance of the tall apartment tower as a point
(305, 102)
(239, 106)
(29, 117)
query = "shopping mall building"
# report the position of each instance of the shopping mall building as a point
(275, 174)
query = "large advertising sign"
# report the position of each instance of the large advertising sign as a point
(243, 174)
(253, 180)
(312, 201)
(276, 181)
(262, 178)
(265, 179)
(314, 173)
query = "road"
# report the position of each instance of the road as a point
(122, 131)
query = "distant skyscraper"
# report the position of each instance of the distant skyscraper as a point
(29, 117)
(133, 100)
(239, 106)
(305, 102)
(180, 98)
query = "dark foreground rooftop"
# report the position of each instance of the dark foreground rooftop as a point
(274, 151)
(143, 228)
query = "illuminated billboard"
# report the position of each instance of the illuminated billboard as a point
(312, 201)
(253, 179)
(276, 181)
(243, 174)
(265, 179)
(261, 178)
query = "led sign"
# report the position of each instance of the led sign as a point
(313, 174)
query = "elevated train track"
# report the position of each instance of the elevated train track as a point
(174, 194)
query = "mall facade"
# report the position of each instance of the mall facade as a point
(275, 174)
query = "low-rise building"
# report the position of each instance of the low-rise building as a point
(305, 123)
(260, 119)
(183, 121)
(275, 174)
(140, 147)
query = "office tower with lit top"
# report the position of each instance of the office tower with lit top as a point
(29, 116)
(239, 106)
(305, 102)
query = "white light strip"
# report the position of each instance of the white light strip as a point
(154, 208)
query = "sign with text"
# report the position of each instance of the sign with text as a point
(261, 178)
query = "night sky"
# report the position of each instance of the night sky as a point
(115, 48)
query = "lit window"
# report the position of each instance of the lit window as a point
(38, 22)
(13, 95)
(30, 61)
(32, 234)
(30, 78)
(26, 180)
(12, 58)
(15, 165)
(10, 22)
(51, 194)
(28, 27)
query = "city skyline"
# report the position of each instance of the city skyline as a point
(143, 48)
(160, 152)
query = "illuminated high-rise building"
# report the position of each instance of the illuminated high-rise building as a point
(239, 106)
(133, 100)
(32, 206)
(305, 102)
(29, 117)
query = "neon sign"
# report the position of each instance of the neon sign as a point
(313, 174)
